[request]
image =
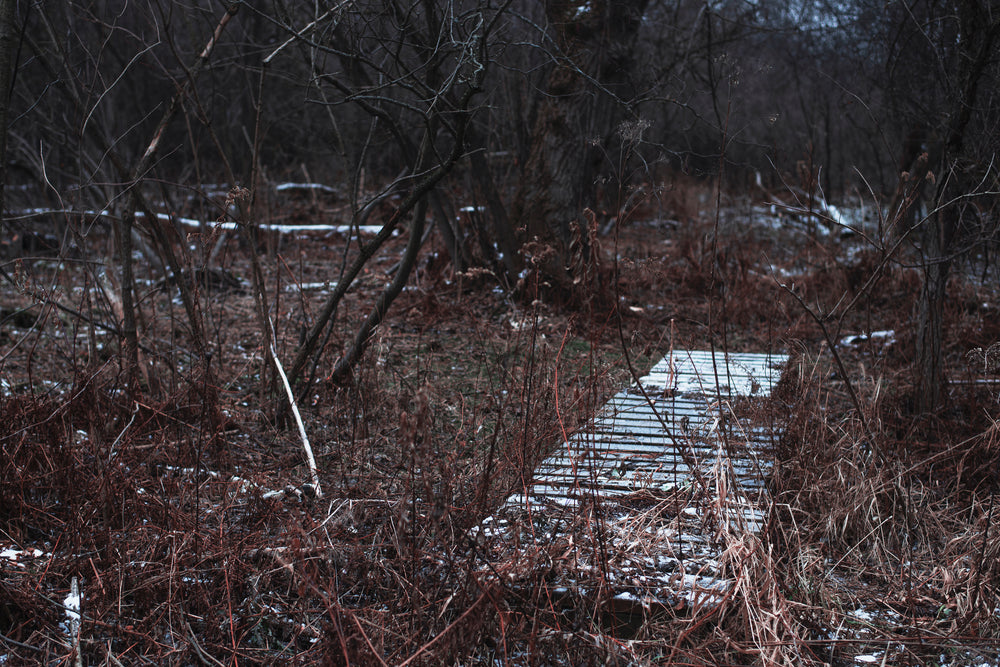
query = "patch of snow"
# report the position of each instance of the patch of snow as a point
(187, 222)
(862, 614)
(281, 187)
(887, 337)
(284, 229)
(72, 604)
(520, 323)
(14, 556)
(310, 287)
(339, 229)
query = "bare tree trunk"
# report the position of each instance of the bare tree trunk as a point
(363, 337)
(7, 35)
(130, 342)
(552, 189)
(559, 174)
(930, 327)
(942, 232)
(502, 231)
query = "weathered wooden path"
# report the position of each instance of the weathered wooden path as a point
(651, 490)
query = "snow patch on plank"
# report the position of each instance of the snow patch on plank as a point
(667, 468)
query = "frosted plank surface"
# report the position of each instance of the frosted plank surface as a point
(668, 468)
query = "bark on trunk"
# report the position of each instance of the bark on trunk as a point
(7, 36)
(558, 178)
(506, 256)
(930, 378)
(943, 230)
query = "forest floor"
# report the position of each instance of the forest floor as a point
(182, 518)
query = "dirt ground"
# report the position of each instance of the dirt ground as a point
(186, 516)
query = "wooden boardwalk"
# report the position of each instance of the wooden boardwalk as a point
(661, 476)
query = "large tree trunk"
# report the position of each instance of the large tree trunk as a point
(506, 259)
(558, 178)
(552, 191)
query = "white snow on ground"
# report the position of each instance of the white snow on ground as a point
(850, 218)
(311, 287)
(339, 229)
(846, 220)
(72, 604)
(281, 229)
(281, 187)
(199, 224)
(887, 337)
(16, 557)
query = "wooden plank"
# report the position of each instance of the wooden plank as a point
(666, 467)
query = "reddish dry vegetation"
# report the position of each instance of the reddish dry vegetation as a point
(182, 512)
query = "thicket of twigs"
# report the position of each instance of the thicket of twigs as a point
(184, 515)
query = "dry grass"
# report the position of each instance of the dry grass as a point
(183, 513)
(884, 540)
